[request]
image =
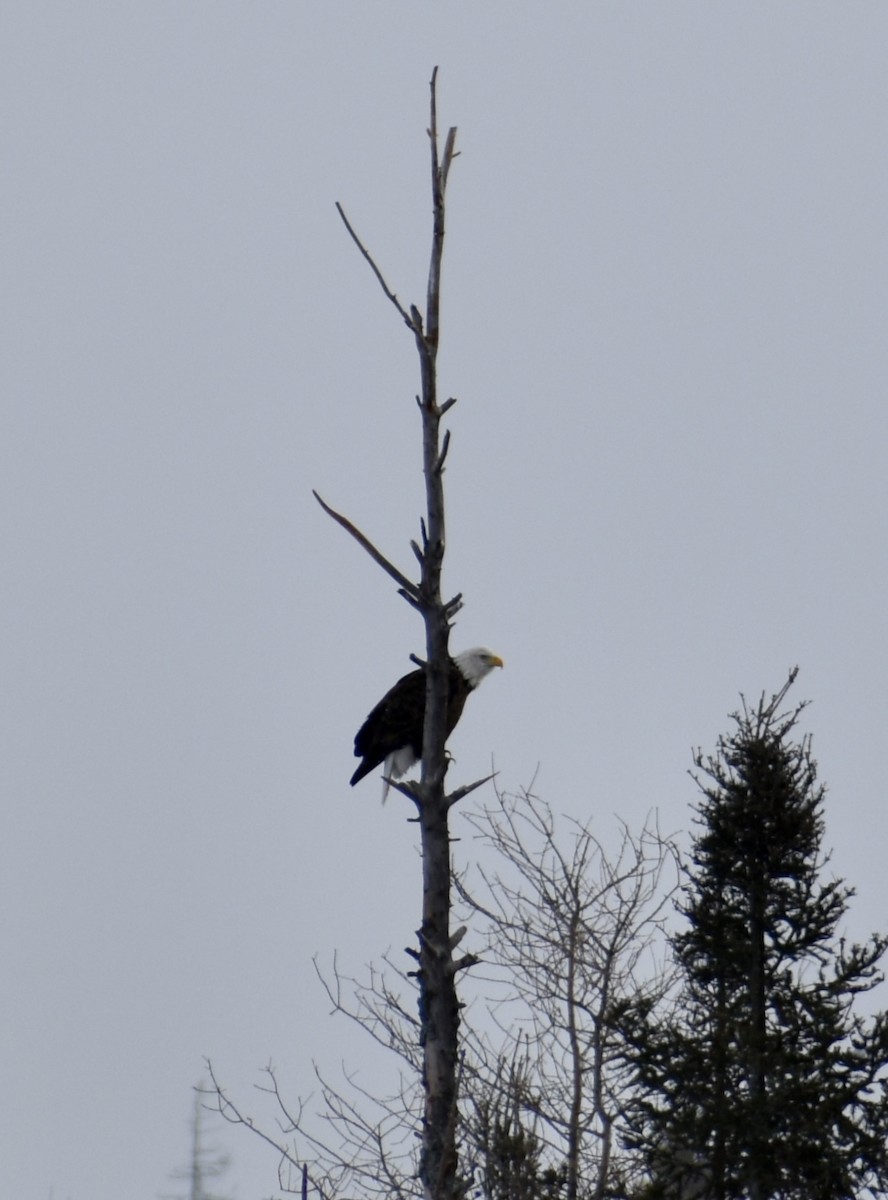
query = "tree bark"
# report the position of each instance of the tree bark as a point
(438, 1004)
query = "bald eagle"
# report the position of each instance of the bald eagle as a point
(392, 734)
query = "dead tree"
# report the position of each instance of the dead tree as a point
(436, 965)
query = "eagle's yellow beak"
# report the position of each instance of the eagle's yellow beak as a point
(496, 661)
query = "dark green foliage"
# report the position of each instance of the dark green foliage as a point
(510, 1165)
(764, 1083)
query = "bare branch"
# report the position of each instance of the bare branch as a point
(377, 1007)
(408, 321)
(452, 607)
(230, 1112)
(460, 793)
(414, 603)
(462, 964)
(408, 788)
(439, 463)
(433, 121)
(440, 171)
(408, 587)
(450, 153)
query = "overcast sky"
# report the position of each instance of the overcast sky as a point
(664, 317)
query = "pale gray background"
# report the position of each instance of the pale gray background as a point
(664, 316)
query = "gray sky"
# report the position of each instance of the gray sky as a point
(664, 316)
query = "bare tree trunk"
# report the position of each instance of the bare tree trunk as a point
(757, 1037)
(438, 1004)
(439, 1009)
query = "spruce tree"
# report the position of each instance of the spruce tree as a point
(765, 1082)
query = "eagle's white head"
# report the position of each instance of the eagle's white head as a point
(474, 664)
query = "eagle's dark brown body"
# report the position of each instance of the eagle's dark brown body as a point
(397, 720)
(392, 734)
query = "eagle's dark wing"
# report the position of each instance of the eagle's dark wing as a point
(395, 722)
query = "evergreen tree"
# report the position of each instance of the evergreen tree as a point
(206, 1162)
(510, 1163)
(765, 1083)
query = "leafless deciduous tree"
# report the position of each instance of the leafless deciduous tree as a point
(573, 934)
